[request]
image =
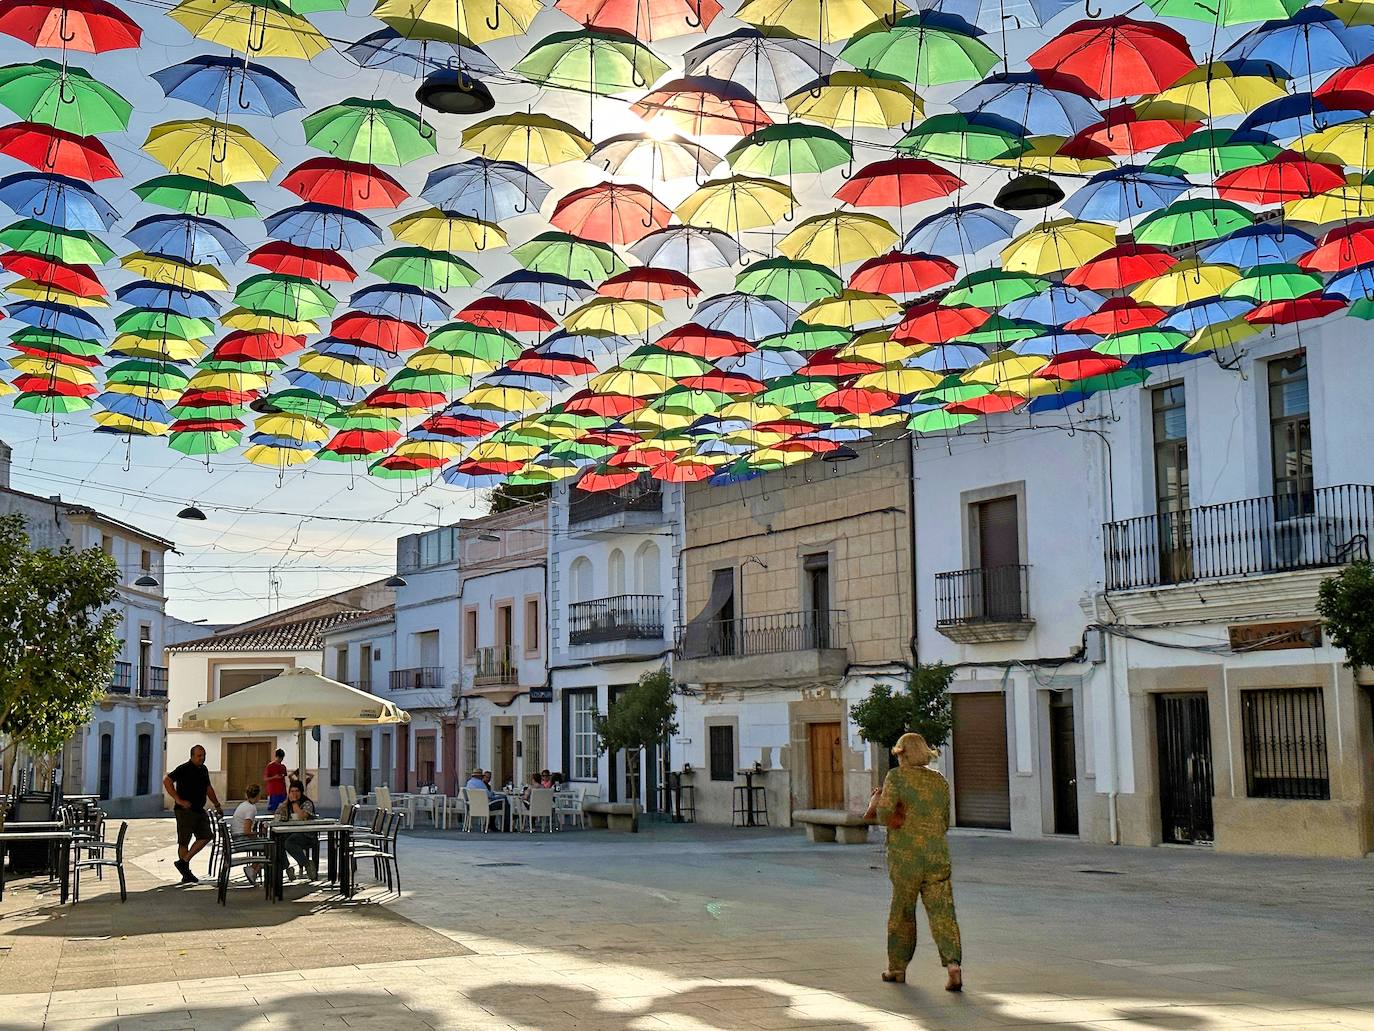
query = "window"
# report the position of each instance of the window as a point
(107, 544)
(145, 657)
(582, 756)
(647, 569)
(816, 573)
(1170, 414)
(580, 578)
(145, 560)
(532, 626)
(722, 752)
(438, 547)
(615, 573)
(424, 759)
(144, 778)
(1285, 743)
(471, 760)
(469, 633)
(335, 762)
(427, 648)
(341, 663)
(1290, 435)
(106, 764)
(232, 681)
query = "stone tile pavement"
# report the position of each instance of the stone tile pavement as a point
(699, 928)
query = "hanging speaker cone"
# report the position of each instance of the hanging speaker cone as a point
(453, 91)
(1028, 192)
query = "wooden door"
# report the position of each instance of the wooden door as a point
(999, 556)
(503, 762)
(424, 758)
(827, 766)
(244, 763)
(982, 791)
(363, 781)
(1063, 763)
(403, 760)
(450, 757)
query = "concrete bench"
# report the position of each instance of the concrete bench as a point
(832, 825)
(614, 816)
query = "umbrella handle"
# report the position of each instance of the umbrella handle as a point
(38, 212)
(1087, 9)
(202, 203)
(496, 7)
(62, 95)
(791, 213)
(890, 19)
(244, 105)
(694, 20)
(62, 29)
(249, 45)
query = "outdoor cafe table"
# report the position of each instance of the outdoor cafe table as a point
(340, 868)
(62, 839)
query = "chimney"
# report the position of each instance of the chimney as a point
(5, 454)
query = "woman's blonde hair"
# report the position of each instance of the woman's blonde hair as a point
(912, 750)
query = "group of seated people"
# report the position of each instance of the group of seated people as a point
(296, 806)
(480, 780)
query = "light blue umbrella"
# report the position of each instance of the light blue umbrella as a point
(762, 365)
(588, 343)
(689, 249)
(134, 407)
(773, 65)
(946, 358)
(961, 230)
(541, 288)
(1120, 194)
(1352, 284)
(1201, 314)
(407, 303)
(187, 238)
(1053, 306)
(322, 227)
(390, 51)
(1056, 341)
(1024, 101)
(485, 189)
(58, 201)
(62, 318)
(227, 86)
(1265, 243)
(1314, 40)
(327, 388)
(1301, 114)
(349, 350)
(191, 303)
(746, 315)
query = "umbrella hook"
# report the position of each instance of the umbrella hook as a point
(848, 171)
(890, 19)
(244, 105)
(791, 213)
(62, 29)
(51, 155)
(496, 7)
(694, 20)
(219, 147)
(249, 45)
(639, 81)
(38, 212)
(63, 96)
(1087, 9)
(816, 90)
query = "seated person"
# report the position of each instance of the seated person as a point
(480, 781)
(244, 824)
(545, 779)
(534, 784)
(298, 807)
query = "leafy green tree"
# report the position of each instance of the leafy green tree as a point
(516, 495)
(1346, 604)
(57, 639)
(643, 716)
(921, 706)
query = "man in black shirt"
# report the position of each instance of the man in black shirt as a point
(189, 785)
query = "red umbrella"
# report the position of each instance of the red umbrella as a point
(897, 274)
(897, 182)
(31, 384)
(992, 403)
(57, 357)
(54, 150)
(411, 463)
(1117, 57)
(215, 398)
(933, 323)
(790, 427)
(552, 363)
(810, 447)
(1123, 131)
(1121, 266)
(1341, 248)
(610, 438)
(725, 382)
(1079, 364)
(1349, 87)
(647, 19)
(379, 331)
(303, 262)
(512, 315)
(91, 26)
(650, 284)
(461, 427)
(612, 406)
(702, 342)
(1287, 176)
(643, 458)
(75, 279)
(362, 442)
(826, 363)
(491, 467)
(344, 184)
(682, 471)
(409, 399)
(1118, 315)
(206, 426)
(606, 477)
(859, 400)
(257, 347)
(614, 213)
(1297, 309)
(704, 106)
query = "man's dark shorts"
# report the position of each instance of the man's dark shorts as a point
(193, 823)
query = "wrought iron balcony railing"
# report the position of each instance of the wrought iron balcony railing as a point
(813, 630)
(416, 678)
(626, 617)
(495, 666)
(996, 594)
(122, 680)
(153, 682)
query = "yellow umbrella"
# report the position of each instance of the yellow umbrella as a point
(1064, 243)
(355, 374)
(837, 238)
(788, 457)
(532, 426)
(876, 346)
(528, 139)
(252, 322)
(850, 308)
(165, 395)
(826, 20)
(163, 349)
(899, 381)
(117, 423)
(613, 316)
(503, 399)
(437, 230)
(739, 202)
(649, 419)
(212, 379)
(206, 149)
(666, 442)
(430, 360)
(1189, 280)
(170, 272)
(1350, 143)
(756, 438)
(295, 427)
(441, 449)
(458, 21)
(502, 451)
(631, 383)
(1352, 12)
(1222, 334)
(256, 28)
(42, 292)
(1004, 367)
(266, 454)
(869, 420)
(1211, 91)
(754, 411)
(1044, 157)
(36, 365)
(854, 99)
(1352, 201)
(545, 470)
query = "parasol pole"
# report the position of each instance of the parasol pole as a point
(300, 750)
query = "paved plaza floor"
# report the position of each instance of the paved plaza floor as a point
(700, 928)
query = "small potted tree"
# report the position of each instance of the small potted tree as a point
(922, 706)
(643, 716)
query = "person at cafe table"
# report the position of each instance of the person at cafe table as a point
(480, 782)
(298, 807)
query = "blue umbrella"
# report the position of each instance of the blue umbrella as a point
(58, 201)
(187, 238)
(408, 303)
(1352, 284)
(191, 303)
(291, 443)
(1156, 358)
(720, 447)
(134, 407)
(710, 425)
(415, 58)
(451, 475)
(1201, 314)
(226, 86)
(839, 434)
(961, 230)
(62, 318)
(1120, 194)
(1056, 342)
(1023, 100)
(1265, 243)
(524, 380)
(541, 288)
(995, 14)
(688, 249)
(330, 388)
(946, 358)
(746, 315)
(461, 411)
(323, 227)
(1312, 41)
(1056, 402)
(734, 473)
(762, 365)
(773, 65)
(1298, 115)
(377, 357)
(1053, 306)
(486, 189)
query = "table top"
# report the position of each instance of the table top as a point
(33, 825)
(309, 826)
(8, 835)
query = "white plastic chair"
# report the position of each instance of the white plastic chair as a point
(567, 808)
(479, 808)
(456, 805)
(540, 808)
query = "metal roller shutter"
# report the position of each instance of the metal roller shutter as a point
(982, 794)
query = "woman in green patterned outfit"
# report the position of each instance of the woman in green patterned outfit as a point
(913, 805)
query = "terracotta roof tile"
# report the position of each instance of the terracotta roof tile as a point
(298, 635)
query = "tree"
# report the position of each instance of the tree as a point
(57, 640)
(516, 495)
(922, 707)
(1346, 604)
(642, 717)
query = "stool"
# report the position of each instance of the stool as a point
(687, 803)
(758, 807)
(740, 816)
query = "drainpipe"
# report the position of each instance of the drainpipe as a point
(911, 529)
(1113, 825)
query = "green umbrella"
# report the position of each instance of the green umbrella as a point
(349, 419)
(428, 382)
(1227, 12)
(297, 401)
(1278, 282)
(993, 288)
(51, 404)
(570, 256)
(144, 372)
(429, 270)
(376, 132)
(941, 421)
(245, 366)
(200, 197)
(150, 322)
(1141, 341)
(204, 442)
(920, 53)
(1111, 381)
(998, 332)
(687, 401)
(1362, 309)
(791, 391)
(315, 6)
(51, 341)
(216, 412)
(788, 148)
(576, 450)
(602, 61)
(69, 246)
(272, 293)
(390, 472)
(1193, 221)
(805, 339)
(476, 341)
(665, 363)
(67, 98)
(814, 415)
(1212, 152)
(796, 283)
(954, 138)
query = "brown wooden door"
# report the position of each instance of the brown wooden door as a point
(827, 766)
(244, 763)
(450, 757)
(982, 792)
(503, 762)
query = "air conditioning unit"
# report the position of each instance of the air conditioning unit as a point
(1305, 541)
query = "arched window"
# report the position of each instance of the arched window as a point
(580, 578)
(615, 573)
(648, 574)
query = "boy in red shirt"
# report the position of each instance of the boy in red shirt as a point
(274, 781)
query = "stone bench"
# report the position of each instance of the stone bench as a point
(614, 816)
(832, 825)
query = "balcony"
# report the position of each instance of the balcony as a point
(416, 678)
(781, 648)
(984, 606)
(1291, 532)
(152, 682)
(626, 617)
(635, 504)
(495, 667)
(122, 680)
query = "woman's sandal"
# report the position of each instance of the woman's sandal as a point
(956, 978)
(898, 976)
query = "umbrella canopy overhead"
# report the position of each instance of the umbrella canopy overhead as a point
(298, 697)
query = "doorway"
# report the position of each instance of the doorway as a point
(450, 755)
(998, 536)
(244, 762)
(1063, 763)
(403, 761)
(363, 774)
(827, 765)
(384, 760)
(503, 755)
(106, 764)
(1185, 767)
(982, 790)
